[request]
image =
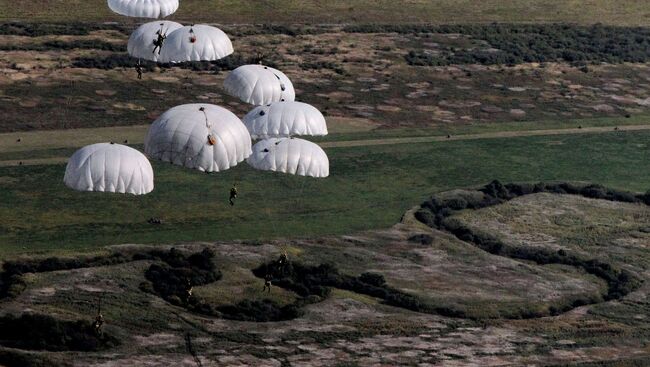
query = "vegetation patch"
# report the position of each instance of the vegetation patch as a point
(261, 311)
(65, 28)
(41, 332)
(174, 274)
(64, 45)
(12, 284)
(521, 43)
(314, 284)
(437, 211)
(17, 358)
(125, 61)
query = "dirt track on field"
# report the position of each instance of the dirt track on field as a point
(134, 135)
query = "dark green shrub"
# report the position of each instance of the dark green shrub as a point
(423, 239)
(40, 332)
(170, 278)
(373, 279)
(425, 216)
(260, 311)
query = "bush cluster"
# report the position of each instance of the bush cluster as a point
(47, 29)
(436, 211)
(173, 271)
(111, 62)
(261, 311)
(313, 283)
(288, 30)
(124, 61)
(17, 358)
(520, 43)
(41, 332)
(169, 279)
(318, 65)
(63, 45)
(422, 239)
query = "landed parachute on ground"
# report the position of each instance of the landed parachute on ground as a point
(282, 119)
(290, 155)
(144, 8)
(109, 167)
(141, 41)
(259, 85)
(199, 136)
(196, 43)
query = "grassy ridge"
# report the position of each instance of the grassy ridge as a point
(623, 12)
(369, 187)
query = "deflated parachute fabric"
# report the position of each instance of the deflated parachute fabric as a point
(110, 168)
(259, 85)
(199, 136)
(144, 8)
(279, 119)
(290, 155)
(196, 43)
(141, 40)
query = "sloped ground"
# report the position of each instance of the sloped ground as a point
(360, 330)
(365, 76)
(623, 12)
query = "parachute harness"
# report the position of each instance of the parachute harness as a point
(212, 140)
(160, 39)
(192, 35)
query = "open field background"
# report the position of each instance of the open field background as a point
(374, 93)
(382, 80)
(620, 12)
(414, 107)
(369, 187)
(351, 327)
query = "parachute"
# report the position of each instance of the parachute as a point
(280, 119)
(109, 167)
(141, 41)
(290, 155)
(196, 43)
(144, 8)
(259, 85)
(199, 136)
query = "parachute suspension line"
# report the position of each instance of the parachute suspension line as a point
(207, 123)
(282, 86)
(212, 140)
(300, 195)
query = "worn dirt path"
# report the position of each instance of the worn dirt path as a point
(134, 134)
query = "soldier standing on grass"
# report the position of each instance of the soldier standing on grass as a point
(99, 319)
(267, 283)
(138, 69)
(233, 195)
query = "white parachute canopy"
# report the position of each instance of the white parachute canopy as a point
(196, 43)
(141, 40)
(109, 167)
(199, 136)
(259, 85)
(290, 155)
(281, 119)
(144, 8)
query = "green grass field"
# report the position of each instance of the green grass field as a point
(369, 187)
(619, 12)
